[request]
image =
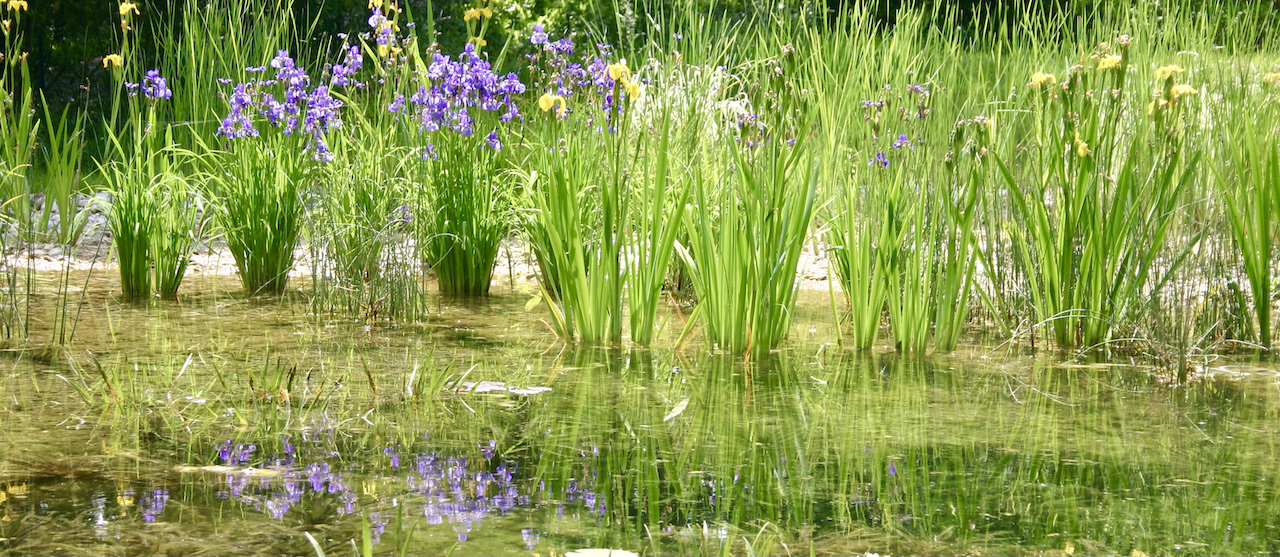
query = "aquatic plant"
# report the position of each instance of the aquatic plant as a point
(578, 179)
(154, 209)
(657, 213)
(1250, 182)
(464, 110)
(18, 125)
(236, 35)
(258, 192)
(63, 174)
(1089, 240)
(751, 221)
(959, 196)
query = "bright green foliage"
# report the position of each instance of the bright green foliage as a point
(258, 208)
(1098, 199)
(155, 212)
(863, 253)
(746, 236)
(229, 36)
(62, 175)
(1250, 182)
(579, 200)
(467, 214)
(177, 226)
(657, 212)
(132, 207)
(957, 200)
(18, 129)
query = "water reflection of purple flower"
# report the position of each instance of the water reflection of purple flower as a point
(531, 537)
(152, 504)
(452, 489)
(239, 454)
(462, 528)
(337, 484)
(278, 505)
(317, 474)
(348, 499)
(293, 489)
(236, 484)
(379, 525)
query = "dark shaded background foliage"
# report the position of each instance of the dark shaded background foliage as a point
(68, 38)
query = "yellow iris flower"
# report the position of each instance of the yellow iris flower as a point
(1167, 72)
(387, 50)
(1109, 62)
(618, 72)
(1040, 79)
(18, 5)
(1182, 89)
(112, 60)
(548, 101)
(477, 13)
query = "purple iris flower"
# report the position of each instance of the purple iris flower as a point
(539, 36)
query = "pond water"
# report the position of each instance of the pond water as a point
(229, 426)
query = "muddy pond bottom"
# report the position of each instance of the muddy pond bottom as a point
(231, 426)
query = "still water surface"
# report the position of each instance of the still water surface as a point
(226, 426)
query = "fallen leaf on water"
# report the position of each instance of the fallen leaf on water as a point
(247, 472)
(597, 552)
(680, 406)
(481, 387)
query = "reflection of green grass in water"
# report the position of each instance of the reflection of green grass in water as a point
(970, 467)
(792, 449)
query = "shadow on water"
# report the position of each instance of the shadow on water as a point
(217, 427)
